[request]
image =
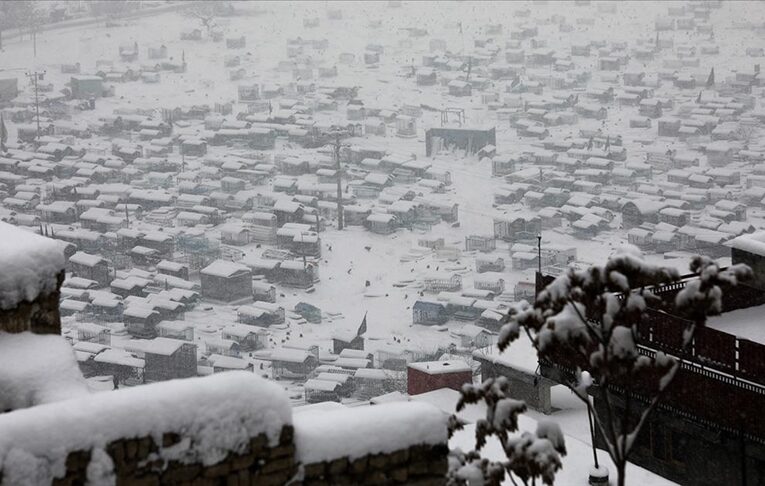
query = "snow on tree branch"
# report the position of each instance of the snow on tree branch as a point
(588, 321)
(529, 455)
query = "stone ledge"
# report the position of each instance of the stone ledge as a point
(419, 464)
(136, 464)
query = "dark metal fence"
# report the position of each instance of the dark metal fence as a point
(721, 380)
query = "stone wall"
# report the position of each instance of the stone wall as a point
(422, 465)
(40, 316)
(137, 462)
(231, 428)
(529, 387)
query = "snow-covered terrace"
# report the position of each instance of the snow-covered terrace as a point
(576, 463)
(747, 323)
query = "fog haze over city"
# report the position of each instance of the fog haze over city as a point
(374, 242)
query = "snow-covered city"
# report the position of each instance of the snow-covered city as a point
(382, 242)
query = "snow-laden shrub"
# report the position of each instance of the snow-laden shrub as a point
(530, 456)
(587, 321)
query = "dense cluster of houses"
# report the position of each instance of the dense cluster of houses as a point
(167, 213)
(679, 176)
(159, 211)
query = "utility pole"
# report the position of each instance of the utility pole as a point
(539, 252)
(35, 76)
(302, 250)
(339, 171)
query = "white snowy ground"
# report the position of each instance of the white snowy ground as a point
(579, 458)
(745, 323)
(341, 293)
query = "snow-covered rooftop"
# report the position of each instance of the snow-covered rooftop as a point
(750, 243)
(323, 435)
(30, 264)
(440, 367)
(224, 269)
(119, 357)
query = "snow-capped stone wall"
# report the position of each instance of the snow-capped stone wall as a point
(230, 427)
(144, 430)
(37, 369)
(395, 443)
(31, 273)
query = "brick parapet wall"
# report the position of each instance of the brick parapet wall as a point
(423, 465)
(138, 461)
(527, 386)
(40, 316)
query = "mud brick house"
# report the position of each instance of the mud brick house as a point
(175, 269)
(640, 211)
(226, 281)
(93, 333)
(431, 375)
(141, 321)
(126, 287)
(274, 313)
(349, 339)
(296, 273)
(707, 425)
(144, 256)
(292, 363)
(58, 212)
(517, 227)
(86, 87)
(246, 337)
(93, 267)
(480, 243)
(253, 316)
(470, 140)
(165, 358)
(429, 312)
(489, 264)
(264, 292)
(176, 330)
(442, 282)
(382, 223)
(124, 367)
(163, 243)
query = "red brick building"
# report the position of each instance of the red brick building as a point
(432, 375)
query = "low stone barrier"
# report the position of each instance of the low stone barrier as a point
(231, 428)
